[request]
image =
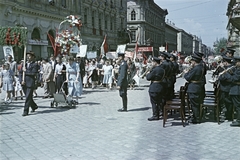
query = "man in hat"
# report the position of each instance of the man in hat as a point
(235, 89)
(122, 82)
(230, 52)
(225, 86)
(195, 79)
(31, 70)
(156, 87)
(47, 78)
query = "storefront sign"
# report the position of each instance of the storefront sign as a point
(38, 42)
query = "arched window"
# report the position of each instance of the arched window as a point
(133, 15)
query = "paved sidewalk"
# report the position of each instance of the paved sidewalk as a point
(95, 130)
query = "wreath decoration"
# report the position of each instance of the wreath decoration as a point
(13, 36)
(65, 39)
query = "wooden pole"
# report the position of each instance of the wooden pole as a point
(24, 64)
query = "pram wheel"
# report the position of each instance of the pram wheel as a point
(52, 104)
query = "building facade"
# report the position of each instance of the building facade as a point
(146, 24)
(233, 26)
(171, 32)
(185, 42)
(99, 18)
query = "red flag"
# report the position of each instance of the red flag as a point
(136, 48)
(104, 47)
(145, 58)
(52, 40)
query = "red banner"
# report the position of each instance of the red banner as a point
(145, 49)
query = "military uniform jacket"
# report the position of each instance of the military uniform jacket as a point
(122, 74)
(225, 83)
(157, 74)
(235, 81)
(195, 79)
(30, 75)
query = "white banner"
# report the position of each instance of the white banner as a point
(121, 48)
(74, 49)
(82, 50)
(91, 54)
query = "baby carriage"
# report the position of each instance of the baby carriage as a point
(63, 99)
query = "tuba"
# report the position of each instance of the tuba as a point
(218, 59)
(188, 59)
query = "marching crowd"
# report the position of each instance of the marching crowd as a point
(65, 74)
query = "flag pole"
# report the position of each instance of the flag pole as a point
(24, 64)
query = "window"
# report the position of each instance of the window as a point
(85, 17)
(133, 15)
(106, 22)
(93, 20)
(111, 24)
(133, 35)
(64, 4)
(121, 3)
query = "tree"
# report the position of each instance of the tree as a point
(219, 45)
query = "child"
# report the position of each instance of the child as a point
(18, 87)
(7, 80)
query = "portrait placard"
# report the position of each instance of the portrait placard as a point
(121, 48)
(8, 50)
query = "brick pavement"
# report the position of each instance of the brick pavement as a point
(95, 130)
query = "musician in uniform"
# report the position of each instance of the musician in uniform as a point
(225, 86)
(31, 70)
(175, 71)
(156, 87)
(122, 82)
(235, 90)
(195, 79)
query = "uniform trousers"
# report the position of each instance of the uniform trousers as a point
(236, 103)
(29, 99)
(195, 101)
(227, 101)
(123, 95)
(156, 100)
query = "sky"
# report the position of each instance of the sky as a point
(204, 18)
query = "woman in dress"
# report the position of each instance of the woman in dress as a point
(7, 81)
(85, 78)
(107, 74)
(93, 77)
(73, 78)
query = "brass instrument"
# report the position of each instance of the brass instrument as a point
(149, 68)
(228, 70)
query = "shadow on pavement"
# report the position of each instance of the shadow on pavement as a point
(88, 103)
(139, 109)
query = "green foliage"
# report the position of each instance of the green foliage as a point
(17, 30)
(219, 45)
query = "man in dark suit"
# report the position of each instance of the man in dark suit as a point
(81, 64)
(195, 88)
(31, 70)
(156, 87)
(122, 82)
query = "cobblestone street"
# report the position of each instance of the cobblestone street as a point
(95, 130)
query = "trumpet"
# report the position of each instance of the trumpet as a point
(149, 68)
(229, 70)
(219, 69)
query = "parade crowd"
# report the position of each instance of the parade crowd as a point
(69, 75)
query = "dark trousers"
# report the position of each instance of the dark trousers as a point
(227, 101)
(236, 103)
(195, 101)
(29, 99)
(123, 95)
(59, 82)
(156, 100)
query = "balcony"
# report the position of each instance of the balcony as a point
(235, 18)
